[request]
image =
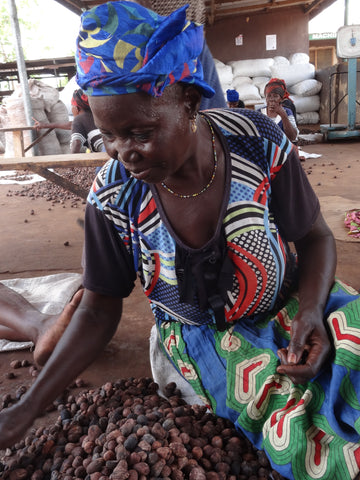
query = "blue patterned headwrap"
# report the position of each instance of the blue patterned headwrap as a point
(123, 47)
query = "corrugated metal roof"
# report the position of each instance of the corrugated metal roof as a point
(217, 9)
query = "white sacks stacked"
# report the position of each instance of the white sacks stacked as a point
(46, 108)
(249, 78)
(244, 73)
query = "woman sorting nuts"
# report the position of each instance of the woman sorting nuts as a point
(201, 206)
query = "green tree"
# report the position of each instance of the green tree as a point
(27, 27)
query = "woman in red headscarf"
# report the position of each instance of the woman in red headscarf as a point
(84, 134)
(276, 94)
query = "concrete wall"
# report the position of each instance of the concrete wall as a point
(290, 27)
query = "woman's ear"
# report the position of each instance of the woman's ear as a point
(192, 99)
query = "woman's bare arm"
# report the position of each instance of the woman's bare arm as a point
(91, 328)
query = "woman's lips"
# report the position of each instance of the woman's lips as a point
(141, 174)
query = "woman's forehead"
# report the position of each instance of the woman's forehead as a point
(138, 101)
(129, 109)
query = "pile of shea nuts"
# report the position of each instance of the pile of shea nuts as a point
(126, 431)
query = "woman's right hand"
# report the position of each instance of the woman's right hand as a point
(14, 423)
(90, 329)
(37, 124)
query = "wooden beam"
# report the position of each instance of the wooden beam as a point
(54, 161)
(41, 165)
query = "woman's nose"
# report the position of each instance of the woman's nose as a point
(127, 154)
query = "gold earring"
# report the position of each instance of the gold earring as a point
(193, 123)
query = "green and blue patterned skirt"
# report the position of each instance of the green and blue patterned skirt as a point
(309, 431)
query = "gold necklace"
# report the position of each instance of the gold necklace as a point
(192, 195)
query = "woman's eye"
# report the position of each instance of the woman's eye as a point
(107, 136)
(142, 136)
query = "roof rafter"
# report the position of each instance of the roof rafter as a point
(219, 9)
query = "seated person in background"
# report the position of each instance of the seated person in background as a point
(276, 95)
(233, 101)
(84, 134)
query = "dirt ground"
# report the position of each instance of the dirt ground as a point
(41, 237)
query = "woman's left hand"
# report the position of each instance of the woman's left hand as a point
(309, 344)
(308, 349)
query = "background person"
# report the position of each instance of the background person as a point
(84, 134)
(201, 207)
(278, 108)
(233, 99)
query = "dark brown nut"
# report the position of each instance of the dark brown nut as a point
(95, 476)
(15, 364)
(88, 446)
(47, 447)
(217, 441)
(142, 468)
(67, 464)
(94, 432)
(212, 476)
(18, 474)
(37, 475)
(164, 452)
(128, 427)
(157, 467)
(178, 449)
(158, 431)
(157, 444)
(113, 434)
(133, 475)
(182, 462)
(134, 458)
(166, 471)
(121, 452)
(222, 467)
(77, 462)
(95, 466)
(120, 471)
(248, 456)
(208, 450)
(177, 474)
(109, 455)
(197, 473)
(206, 464)
(185, 438)
(74, 433)
(145, 446)
(80, 472)
(216, 456)
(197, 452)
(69, 447)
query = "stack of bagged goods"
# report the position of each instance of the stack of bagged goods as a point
(249, 77)
(46, 108)
(225, 74)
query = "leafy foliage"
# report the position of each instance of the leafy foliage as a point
(27, 27)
